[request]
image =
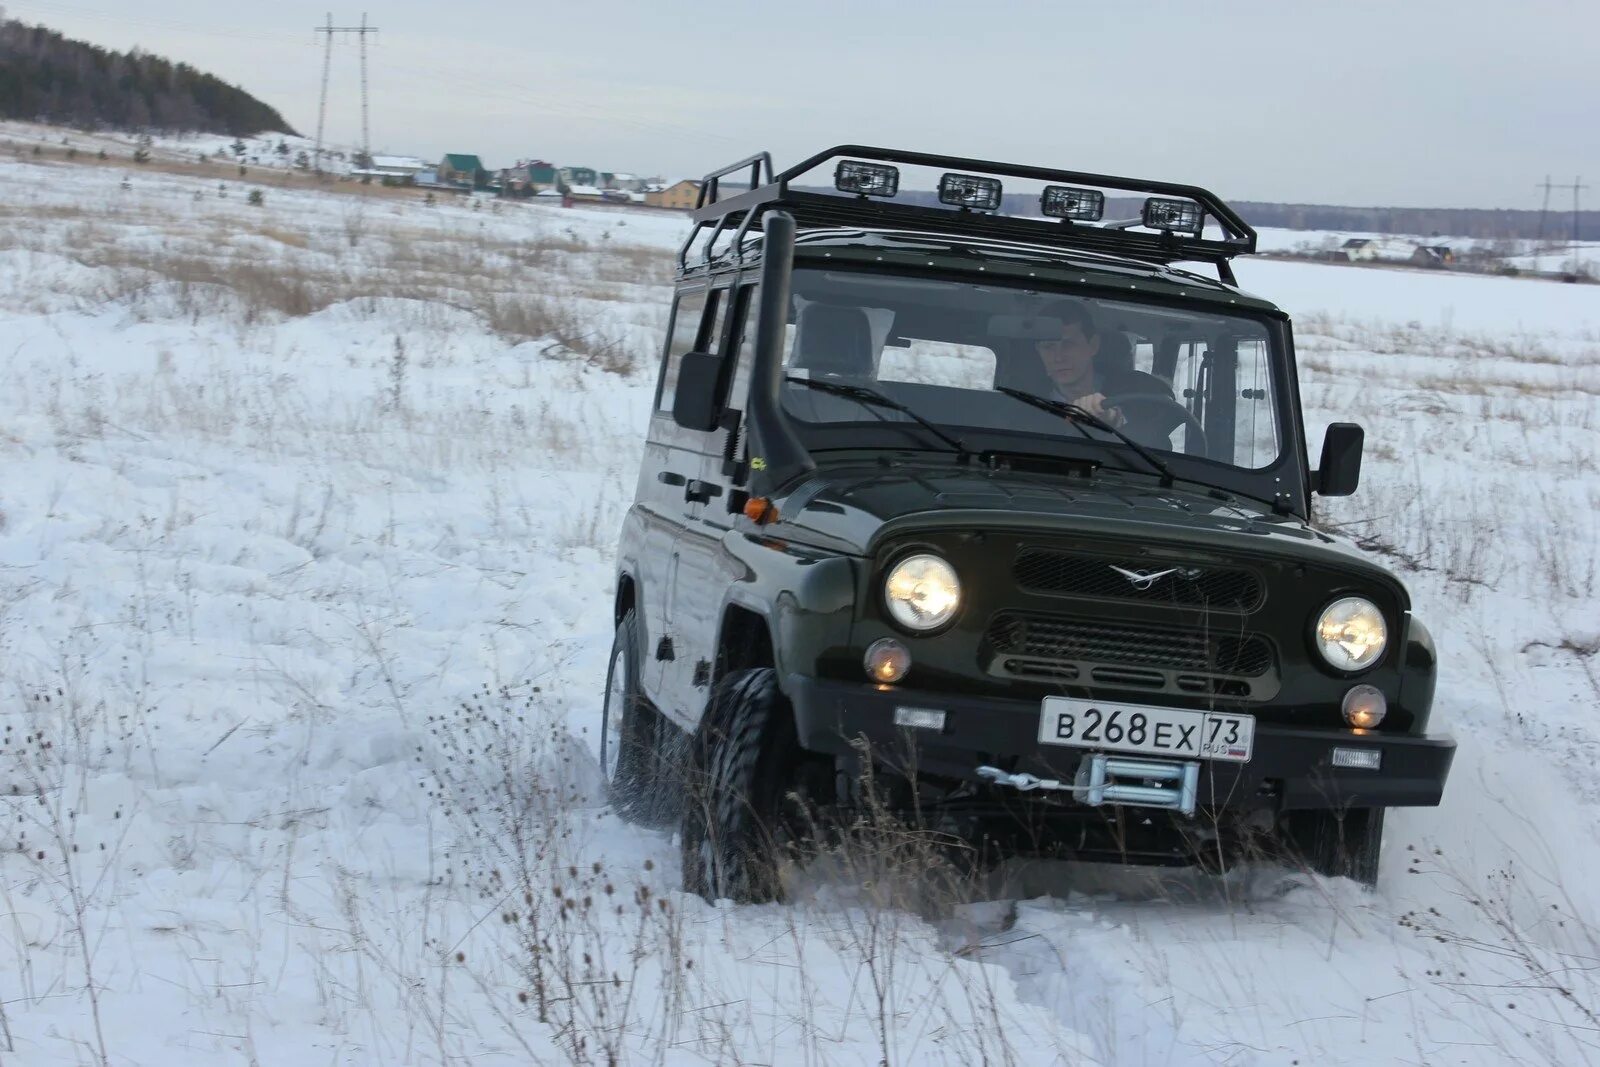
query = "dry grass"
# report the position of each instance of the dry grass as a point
(540, 289)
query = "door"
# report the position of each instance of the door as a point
(669, 462)
(700, 584)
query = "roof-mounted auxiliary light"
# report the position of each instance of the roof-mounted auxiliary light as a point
(1179, 216)
(970, 191)
(866, 179)
(1070, 202)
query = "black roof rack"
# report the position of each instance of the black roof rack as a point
(760, 190)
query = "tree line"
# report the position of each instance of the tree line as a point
(46, 77)
(1446, 222)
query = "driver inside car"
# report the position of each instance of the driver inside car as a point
(1088, 367)
(1069, 361)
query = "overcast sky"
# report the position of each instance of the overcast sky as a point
(1417, 102)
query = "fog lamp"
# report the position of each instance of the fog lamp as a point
(1361, 759)
(1364, 706)
(1181, 216)
(919, 718)
(1068, 202)
(866, 179)
(887, 660)
(970, 191)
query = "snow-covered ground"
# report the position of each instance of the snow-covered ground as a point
(304, 588)
(1553, 255)
(269, 150)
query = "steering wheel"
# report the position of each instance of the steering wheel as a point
(1176, 415)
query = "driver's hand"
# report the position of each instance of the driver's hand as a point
(1095, 404)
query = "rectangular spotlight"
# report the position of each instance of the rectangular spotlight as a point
(866, 179)
(1365, 759)
(1067, 202)
(970, 191)
(919, 718)
(1180, 216)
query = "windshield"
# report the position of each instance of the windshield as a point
(1182, 382)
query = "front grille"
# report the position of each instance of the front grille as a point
(1032, 644)
(1217, 588)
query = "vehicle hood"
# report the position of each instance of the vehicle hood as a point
(857, 507)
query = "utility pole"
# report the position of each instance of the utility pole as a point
(361, 33)
(1543, 210)
(1577, 184)
(366, 137)
(322, 108)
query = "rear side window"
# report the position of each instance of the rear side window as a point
(691, 330)
(742, 343)
(938, 363)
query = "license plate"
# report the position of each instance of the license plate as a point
(1214, 735)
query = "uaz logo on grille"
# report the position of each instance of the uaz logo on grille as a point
(1143, 580)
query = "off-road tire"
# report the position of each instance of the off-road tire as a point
(1339, 844)
(734, 831)
(633, 782)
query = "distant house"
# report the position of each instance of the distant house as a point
(528, 178)
(677, 195)
(585, 192)
(542, 175)
(463, 171)
(1395, 250)
(399, 164)
(620, 181)
(1359, 248)
(393, 170)
(1433, 256)
(579, 176)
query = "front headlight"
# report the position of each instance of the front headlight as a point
(1351, 634)
(922, 592)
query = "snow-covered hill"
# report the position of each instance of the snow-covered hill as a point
(304, 575)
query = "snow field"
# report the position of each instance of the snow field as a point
(304, 606)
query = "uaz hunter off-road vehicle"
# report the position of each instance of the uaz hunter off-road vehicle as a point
(1006, 509)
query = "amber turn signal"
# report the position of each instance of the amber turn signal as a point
(760, 510)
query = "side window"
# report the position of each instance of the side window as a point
(1255, 440)
(690, 329)
(944, 363)
(1189, 389)
(742, 342)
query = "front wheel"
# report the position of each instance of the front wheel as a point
(1339, 844)
(738, 816)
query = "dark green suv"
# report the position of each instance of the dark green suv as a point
(977, 491)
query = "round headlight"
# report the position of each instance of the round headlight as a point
(1351, 634)
(922, 592)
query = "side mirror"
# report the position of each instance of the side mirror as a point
(694, 399)
(1340, 470)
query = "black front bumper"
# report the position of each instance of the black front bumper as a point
(1290, 768)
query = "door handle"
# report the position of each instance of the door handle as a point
(698, 492)
(670, 478)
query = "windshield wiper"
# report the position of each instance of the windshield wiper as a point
(1082, 417)
(871, 396)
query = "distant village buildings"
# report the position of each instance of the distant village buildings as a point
(464, 172)
(680, 195)
(1396, 250)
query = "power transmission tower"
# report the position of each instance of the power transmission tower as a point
(1577, 184)
(322, 108)
(366, 137)
(1543, 210)
(361, 33)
